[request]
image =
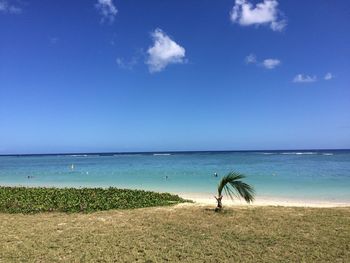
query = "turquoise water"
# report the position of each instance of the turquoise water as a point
(311, 175)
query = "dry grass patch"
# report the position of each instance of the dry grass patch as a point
(183, 233)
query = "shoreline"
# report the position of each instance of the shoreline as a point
(207, 199)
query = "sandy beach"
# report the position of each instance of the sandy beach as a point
(202, 199)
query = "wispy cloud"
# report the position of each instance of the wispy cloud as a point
(127, 64)
(163, 52)
(300, 78)
(53, 40)
(328, 76)
(6, 7)
(250, 59)
(269, 63)
(264, 13)
(107, 10)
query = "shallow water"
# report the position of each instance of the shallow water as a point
(307, 175)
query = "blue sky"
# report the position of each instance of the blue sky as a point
(102, 75)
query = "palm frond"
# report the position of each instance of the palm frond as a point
(233, 186)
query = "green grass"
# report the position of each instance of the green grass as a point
(182, 233)
(34, 200)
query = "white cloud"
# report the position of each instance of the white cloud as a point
(107, 10)
(328, 76)
(250, 59)
(266, 12)
(5, 7)
(164, 51)
(271, 63)
(300, 78)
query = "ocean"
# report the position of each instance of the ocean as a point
(317, 175)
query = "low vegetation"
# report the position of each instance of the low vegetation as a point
(182, 233)
(33, 200)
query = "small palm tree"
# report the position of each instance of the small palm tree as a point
(233, 186)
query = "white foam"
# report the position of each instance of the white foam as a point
(300, 153)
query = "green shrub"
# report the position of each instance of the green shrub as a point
(41, 199)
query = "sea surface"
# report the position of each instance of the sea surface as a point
(302, 175)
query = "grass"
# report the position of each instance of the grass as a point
(34, 200)
(183, 233)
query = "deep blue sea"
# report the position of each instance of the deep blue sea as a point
(308, 175)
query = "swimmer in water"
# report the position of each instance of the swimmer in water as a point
(215, 175)
(72, 167)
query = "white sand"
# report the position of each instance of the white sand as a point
(207, 199)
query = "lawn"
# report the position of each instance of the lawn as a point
(185, 232)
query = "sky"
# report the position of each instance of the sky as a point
(176, 75)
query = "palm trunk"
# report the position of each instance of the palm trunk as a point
(219, 206)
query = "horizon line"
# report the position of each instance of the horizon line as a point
(152, 152)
